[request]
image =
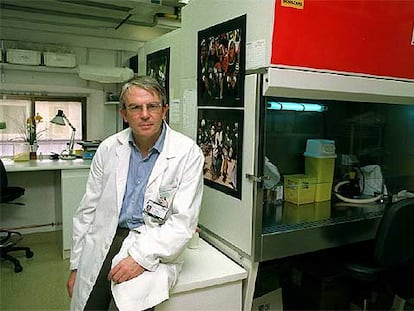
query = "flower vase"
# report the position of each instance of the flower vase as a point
(33, 152)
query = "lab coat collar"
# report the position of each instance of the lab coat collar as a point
(168, 152)
(123, 152)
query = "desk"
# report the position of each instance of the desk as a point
(51, 184)
(45, 165)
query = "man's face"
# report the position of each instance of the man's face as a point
(144, 113)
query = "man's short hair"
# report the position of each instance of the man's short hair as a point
(144, 82)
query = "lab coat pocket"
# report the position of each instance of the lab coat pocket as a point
(167, 191)
(166, 194)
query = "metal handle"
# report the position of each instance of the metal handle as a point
(254, 178)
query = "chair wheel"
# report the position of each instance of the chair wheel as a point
(18, 268)
(29, 254)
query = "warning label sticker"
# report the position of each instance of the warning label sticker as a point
(297, 4)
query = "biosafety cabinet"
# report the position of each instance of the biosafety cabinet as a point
(285, 92)
(277, 128)
(292, 55)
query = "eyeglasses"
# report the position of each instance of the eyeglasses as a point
(137, 109)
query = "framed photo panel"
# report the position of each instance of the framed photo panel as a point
(158, 67)
(221, 64)
(220, 136)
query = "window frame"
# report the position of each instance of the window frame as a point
(30, 110)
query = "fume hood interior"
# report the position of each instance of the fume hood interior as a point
(365, 134)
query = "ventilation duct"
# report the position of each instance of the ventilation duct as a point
(104, 74)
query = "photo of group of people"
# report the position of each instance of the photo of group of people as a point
(221, 64)
(220, 136)
(221, 68)
(158, 65)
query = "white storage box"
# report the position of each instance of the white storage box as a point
(59, 60)
(23, 57)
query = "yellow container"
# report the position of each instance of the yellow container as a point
(299, 188)
(78, 152)
(322, 210)
(323, 170)
(323, 191)
(293, 213)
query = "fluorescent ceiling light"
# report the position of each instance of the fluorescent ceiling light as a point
(296, 106)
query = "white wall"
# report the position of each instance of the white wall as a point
(171, 40)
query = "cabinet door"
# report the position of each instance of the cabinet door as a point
(73, 184)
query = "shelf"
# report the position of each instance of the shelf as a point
(7, 66)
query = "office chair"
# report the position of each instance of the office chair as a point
(392, 264)
(9, 239)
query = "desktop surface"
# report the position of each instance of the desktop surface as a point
(44, 165)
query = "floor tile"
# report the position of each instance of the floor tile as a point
(42, 283)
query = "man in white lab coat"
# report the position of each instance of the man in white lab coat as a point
(139, 210)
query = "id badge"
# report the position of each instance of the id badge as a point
(157, 210)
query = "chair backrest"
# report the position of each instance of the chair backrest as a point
(3, 176)
(395, 235)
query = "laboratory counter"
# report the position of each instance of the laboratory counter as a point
(54, 189)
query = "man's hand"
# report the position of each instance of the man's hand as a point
(71, 282)
(125, 270)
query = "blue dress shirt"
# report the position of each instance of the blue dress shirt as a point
(138, 174)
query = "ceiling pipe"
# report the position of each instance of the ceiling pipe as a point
(156, 18)
(123, 21)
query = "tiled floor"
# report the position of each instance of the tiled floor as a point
(42, 283)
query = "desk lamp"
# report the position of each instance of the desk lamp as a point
(61, 119)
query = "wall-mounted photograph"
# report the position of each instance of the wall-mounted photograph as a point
(221, 64)
(220, 136)
(158, 67)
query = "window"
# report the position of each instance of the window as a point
(15, 110)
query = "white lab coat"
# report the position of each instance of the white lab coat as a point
(178, 176)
